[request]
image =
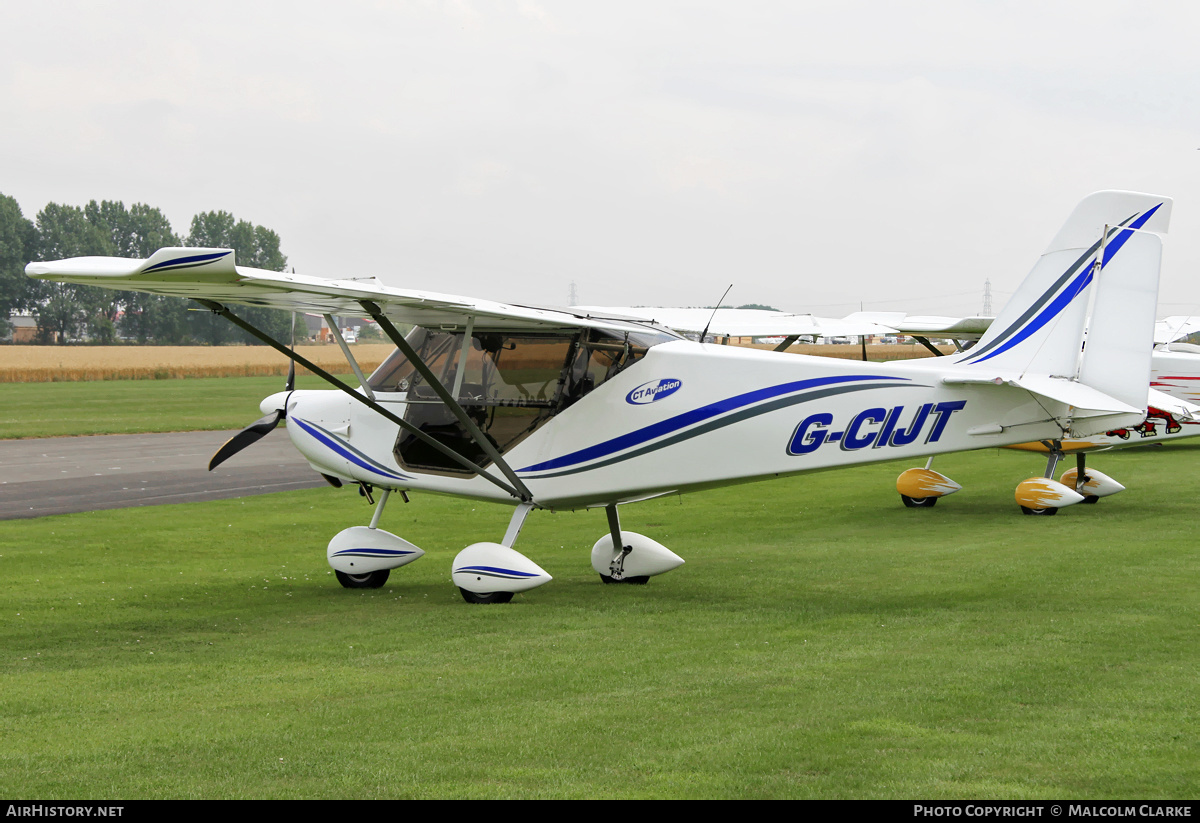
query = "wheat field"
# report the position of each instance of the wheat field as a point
(52, 364)
(56, 364)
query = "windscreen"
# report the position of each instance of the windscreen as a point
(510, 384)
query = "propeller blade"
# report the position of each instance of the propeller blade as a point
(246, 437)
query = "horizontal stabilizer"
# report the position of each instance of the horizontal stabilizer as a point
(1060, 390)
(1179, 409)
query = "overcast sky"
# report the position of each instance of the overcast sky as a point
(816, 155)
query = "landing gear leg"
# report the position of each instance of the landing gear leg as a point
(616, 566)
(1081, 478)
(383, 498)
(1056, 454)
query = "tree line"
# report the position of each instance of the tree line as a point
(68, 313)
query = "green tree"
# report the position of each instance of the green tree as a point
(253, 246)
(68, 309)
(18, 244)
(138, 232)
(108, 228)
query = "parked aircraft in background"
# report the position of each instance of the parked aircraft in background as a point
(568, 409)
(1171, 413)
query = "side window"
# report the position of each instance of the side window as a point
(395, 374)
(601, 355)
(512, 383)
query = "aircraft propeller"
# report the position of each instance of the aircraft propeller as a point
(264, 425)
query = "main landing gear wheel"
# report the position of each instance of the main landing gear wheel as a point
(370, 580)
(918, 502)
(490, 597)
(1049, 511)
(1090, 499)
(641, 580)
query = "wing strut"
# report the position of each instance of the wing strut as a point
(337, 333)
(479, 437)
(924, 341)
(217, 308)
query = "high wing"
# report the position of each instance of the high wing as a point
(752, 322)
(1171, 329)
(767, 323)
(955, 328)
(212, 274)
(1168, 330)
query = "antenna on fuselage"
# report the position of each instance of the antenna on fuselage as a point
(704, 333)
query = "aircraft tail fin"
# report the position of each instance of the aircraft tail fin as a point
(1099, 278)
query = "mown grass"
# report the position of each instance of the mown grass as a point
(136, 406)
(821, 641)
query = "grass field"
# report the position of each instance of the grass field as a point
(131, 406)
(821, 641)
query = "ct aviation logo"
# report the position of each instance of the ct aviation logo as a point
(653, 391)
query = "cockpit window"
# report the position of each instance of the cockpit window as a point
(395, 374)
(511, 383)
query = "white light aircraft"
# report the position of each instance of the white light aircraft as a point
(561, 409)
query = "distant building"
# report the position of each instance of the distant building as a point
(23, 329)
(317, 330)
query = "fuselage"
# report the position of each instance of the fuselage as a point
(688, 416)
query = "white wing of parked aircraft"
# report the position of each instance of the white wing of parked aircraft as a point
(565, 409)
(1176, 328)
(752, 322)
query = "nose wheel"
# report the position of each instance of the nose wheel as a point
(484, 599)
(367, 580)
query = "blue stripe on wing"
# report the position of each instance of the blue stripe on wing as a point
(186, 262)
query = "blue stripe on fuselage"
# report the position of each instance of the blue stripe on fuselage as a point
(680, 421)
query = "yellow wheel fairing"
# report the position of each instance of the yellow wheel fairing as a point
(1044, 493)
(922, 483)
(1097, 485)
